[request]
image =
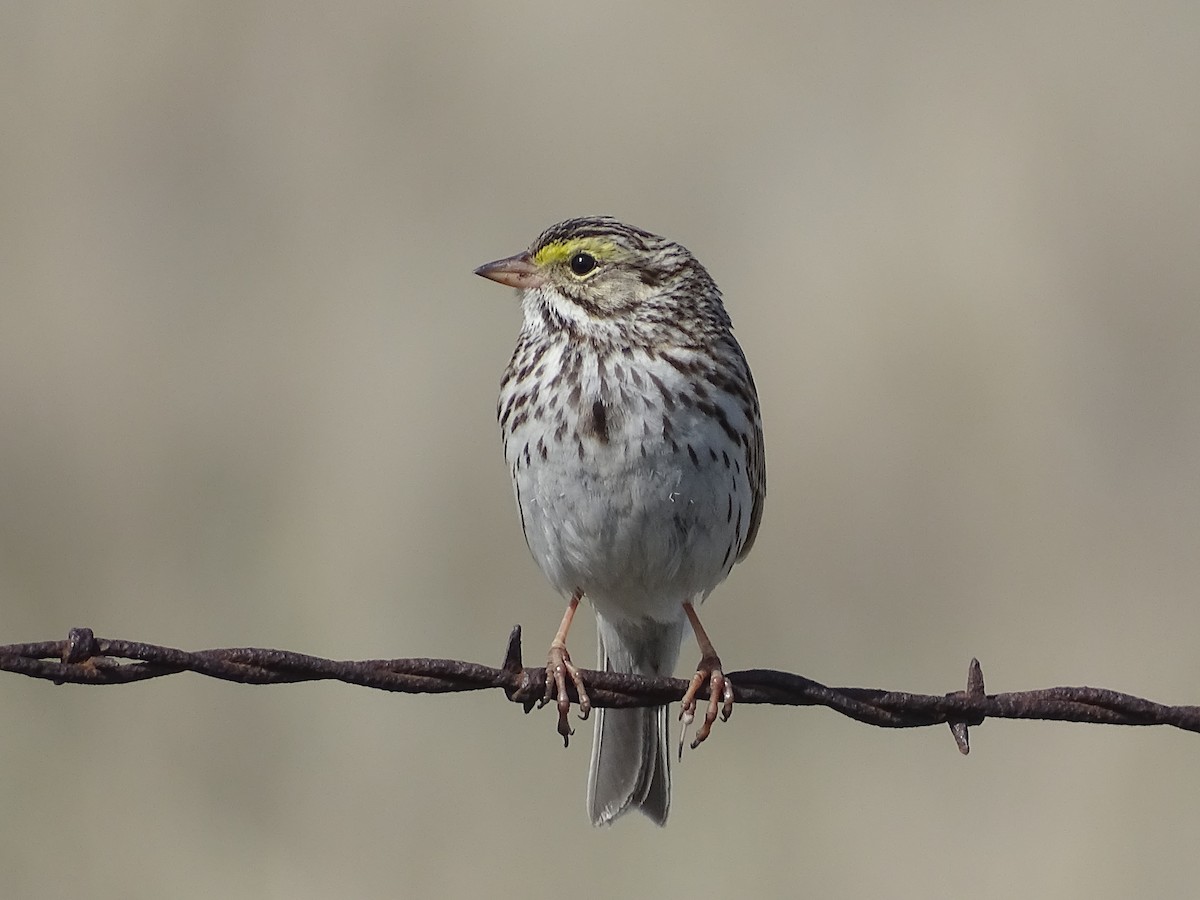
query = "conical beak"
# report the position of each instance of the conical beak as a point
(515, 271)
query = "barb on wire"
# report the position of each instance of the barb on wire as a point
(84, 658)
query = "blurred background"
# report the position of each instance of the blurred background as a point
(247, 388)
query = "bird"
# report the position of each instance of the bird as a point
(633, 434)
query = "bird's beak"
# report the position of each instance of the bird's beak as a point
(516, 271)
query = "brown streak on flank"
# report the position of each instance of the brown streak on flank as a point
(600, 422)
(730, 431)
(680, 366)
(668, 400)
(508, 407)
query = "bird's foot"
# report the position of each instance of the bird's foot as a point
(558, 669)
(720, 700)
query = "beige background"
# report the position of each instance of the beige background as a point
(247, 384)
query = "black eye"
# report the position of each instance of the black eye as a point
(582, 263)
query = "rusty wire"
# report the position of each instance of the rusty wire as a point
(84, 658)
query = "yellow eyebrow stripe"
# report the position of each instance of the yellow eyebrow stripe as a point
(560, 251)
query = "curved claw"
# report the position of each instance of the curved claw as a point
(558, 668)
(720, 701)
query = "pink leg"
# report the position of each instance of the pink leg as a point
(720, 693)
(559, 668)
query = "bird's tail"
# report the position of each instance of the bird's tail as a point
(631, 763)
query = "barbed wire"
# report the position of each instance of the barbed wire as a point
(84, 658)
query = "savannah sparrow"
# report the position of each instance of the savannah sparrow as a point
(632, 430)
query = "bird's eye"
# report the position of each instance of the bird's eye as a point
(582, 263)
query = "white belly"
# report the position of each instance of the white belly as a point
(638, 534)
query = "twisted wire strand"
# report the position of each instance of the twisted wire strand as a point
(84, 658)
